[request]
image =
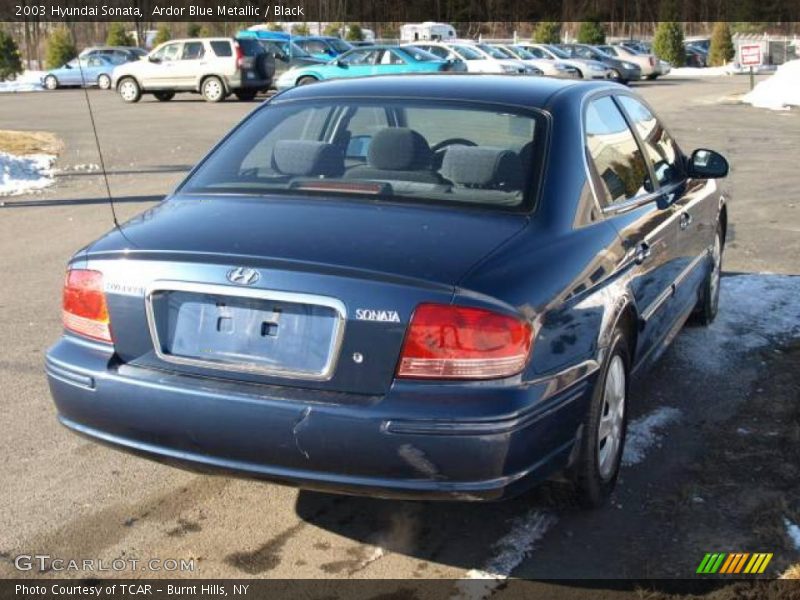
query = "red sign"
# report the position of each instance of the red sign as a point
(750, 55)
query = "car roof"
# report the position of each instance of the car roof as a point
(475, 87)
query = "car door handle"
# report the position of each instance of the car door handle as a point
(686, 220)
(642, 253)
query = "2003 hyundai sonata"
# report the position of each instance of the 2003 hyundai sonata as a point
(412, 286)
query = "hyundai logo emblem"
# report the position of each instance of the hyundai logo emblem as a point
(243, 276)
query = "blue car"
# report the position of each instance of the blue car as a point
(433, 287)
(322, 46)
(94, 70)
(373, 60)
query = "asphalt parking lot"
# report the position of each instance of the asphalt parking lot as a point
(67, 497)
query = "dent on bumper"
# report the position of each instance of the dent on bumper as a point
(352, 446)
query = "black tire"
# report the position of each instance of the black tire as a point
(596, 469)
(652, 77)
(50, 82)
(305, 80)
(246, 95)
(104, 82)
(615, 75)
(164, 95)
(708, 304)
(213, 90)
(129, 90)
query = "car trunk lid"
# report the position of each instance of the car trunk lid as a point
(285, 291)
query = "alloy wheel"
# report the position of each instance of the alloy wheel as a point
(609, 435)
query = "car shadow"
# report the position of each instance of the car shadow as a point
(457, 534)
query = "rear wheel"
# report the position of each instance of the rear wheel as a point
(604, 427)
(652, 77)
(129, 90)
(104, 82)
(708, 304)
(213, 90)
(306, 80)
(245, 95)
(50, 82)
(615, 75)
(164, 96)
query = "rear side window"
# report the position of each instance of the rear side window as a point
(222, 48)
(661, 149)
(411, 150)
(192, 51)
(614, 153)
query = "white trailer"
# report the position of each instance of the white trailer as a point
(429, 30)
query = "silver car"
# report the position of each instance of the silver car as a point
(587, 69)
(89, 71)
(213, 67)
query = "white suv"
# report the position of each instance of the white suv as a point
(214, 67)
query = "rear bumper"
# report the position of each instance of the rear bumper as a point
(365, 445)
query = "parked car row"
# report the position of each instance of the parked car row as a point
(256, 60)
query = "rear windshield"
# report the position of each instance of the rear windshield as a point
(398, 150)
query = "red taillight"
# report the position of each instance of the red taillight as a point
(239, 56)
(84, 309)
(456, 342)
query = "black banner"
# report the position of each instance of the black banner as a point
(450, 11)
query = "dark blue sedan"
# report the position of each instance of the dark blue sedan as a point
(431, 286)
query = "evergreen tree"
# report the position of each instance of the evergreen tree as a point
(332, 29)
(668, 43)
(60, 48)
(10, 62)
(354, 33)
(300, 29)
(547, 32)
(117, 36)
(591, 32)
(163, 35)
(721, 51)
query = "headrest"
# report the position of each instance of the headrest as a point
(399, 149)
(308, 158)
(482, 166)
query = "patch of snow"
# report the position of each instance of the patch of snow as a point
(780, 91)
(22, 174)
(28, 81)
(508, 552)
(643, 433)
(87, 167)
(755, 310)
(793, 531)
(682, 72)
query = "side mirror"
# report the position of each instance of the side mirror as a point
(154, 59)
(707, 164)
(340, 63)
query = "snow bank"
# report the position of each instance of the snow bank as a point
(755, 310)
(780, 90)
(22, 174)
(29, 81)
